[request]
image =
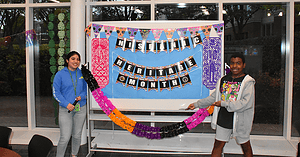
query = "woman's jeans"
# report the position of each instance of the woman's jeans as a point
(70, 124)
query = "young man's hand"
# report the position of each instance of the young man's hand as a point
(217, 103)
(190, 107)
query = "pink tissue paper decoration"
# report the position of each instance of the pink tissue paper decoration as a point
(108, 30)
(157, 33)
(194, 116)
(100, 61)
(198, 120)
(98, 97)
(194, 30)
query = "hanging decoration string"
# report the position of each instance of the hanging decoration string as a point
(138, 129)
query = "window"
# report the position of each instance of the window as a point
(121, 13)
(296, 83)
(52, 26)
(189, 11)
(13, 68)
(264, 58)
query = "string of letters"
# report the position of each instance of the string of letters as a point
(155, 78)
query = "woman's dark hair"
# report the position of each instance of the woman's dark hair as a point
(239, 55)
(69, 55)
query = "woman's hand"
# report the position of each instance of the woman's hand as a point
(70, 107)
(190, 107)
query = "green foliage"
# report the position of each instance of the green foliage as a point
(12, 70)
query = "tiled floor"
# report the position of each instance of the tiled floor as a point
(22, 150)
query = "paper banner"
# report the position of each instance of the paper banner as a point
(219, 28)
(150, 46)
(212, 48)
(5, 41)
(190, 62)
(144, 33)
(138, 129)
(196, 40)
(129, 67)
(181, 31)
(164, 83)
(143, 83)
(152, 84)
(139, 70)
(194, 30)
(185, 43)
(122, 78)
(149, 84)
(157, 33)
(88, 30)
(108, 30)
(97, 28)
(132, 82)
(132, 32)
(30, 37)
(120, 62)
(206, 30)
(171, 70)
(100, 61)
(185, 79)
(174, 82)
(162, 46)
(150, 72)
(169, 32)
(120, 31)
(173, 45)
(162, 71)
(140, 45)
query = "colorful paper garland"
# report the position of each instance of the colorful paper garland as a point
(138, 129)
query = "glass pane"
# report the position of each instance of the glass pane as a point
(121, 13)
(51, 1)
(258, 31)
(13, 100)
(118, 0)
(11, 1)
(183, 11)
(52, 26)
(296, 81)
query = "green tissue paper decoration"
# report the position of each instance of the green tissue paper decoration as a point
(53, 69)
(61, 51)
(51, 17)
(61, 34)
(50, 26)
(58, 28)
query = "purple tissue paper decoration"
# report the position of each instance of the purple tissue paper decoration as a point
(219, 28)
(181, 31)
(97, 28)
(212, 48)
(132, 32)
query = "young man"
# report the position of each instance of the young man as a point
(234, 100)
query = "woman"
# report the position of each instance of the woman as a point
(68, 86)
